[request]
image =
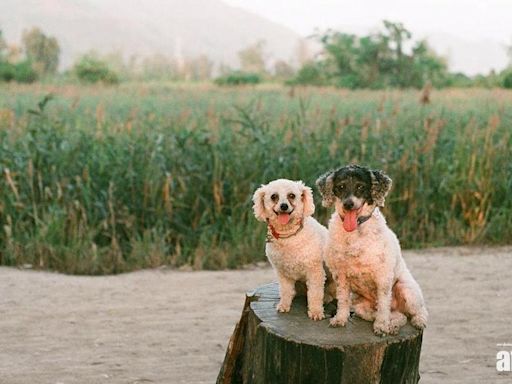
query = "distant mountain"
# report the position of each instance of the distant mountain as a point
(141, 27)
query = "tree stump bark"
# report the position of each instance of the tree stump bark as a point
(271, 347)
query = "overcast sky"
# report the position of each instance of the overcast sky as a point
(473, 27)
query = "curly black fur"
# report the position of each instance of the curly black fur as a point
(363, 182)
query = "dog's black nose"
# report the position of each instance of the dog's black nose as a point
(348, 204)
(284, 207)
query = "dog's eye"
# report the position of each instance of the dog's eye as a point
(360, 187)
(291, 196)
(339, 188)
(274, 197)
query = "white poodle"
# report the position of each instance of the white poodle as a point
(295, 241)
(364, 255)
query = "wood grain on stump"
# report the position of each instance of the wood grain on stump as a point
(271, 347)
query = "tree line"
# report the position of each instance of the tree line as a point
(386, 59)
(389, 58)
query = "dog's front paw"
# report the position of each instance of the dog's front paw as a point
(338, 321)
(316, 314)
(283, 308)
(381, 327)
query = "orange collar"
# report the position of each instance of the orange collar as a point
(273, 234)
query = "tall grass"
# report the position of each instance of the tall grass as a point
(106, 180)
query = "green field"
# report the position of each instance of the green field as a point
(106, 180)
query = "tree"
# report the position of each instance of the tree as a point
(426, 66)
(43, 51)
(375, 61)
(353, 62)
(90, 69)
(252, 58)
(507, 79)
(11, 67)
(311, 74)
(395, 36)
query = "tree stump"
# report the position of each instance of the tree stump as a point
(271, 347)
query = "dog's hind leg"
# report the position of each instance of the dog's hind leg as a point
(407, 298)
(364, 308)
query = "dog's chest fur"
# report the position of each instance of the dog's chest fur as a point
(295, 256)
(360, 265)
(360, 255)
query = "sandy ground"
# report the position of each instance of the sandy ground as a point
(164, 326)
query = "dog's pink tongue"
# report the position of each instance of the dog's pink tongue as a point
(283, 218)
(350, 220)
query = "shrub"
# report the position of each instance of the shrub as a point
(91, 70)
(458, 79)
(24, 73)
(21, 72)
(238, 78)
(507, 80)
(310, 74)
(6, 71)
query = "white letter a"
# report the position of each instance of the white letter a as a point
(503, 363)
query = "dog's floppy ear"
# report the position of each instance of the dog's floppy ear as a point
(324, 184)
(381, 184)
(307, 199)
(259, 206)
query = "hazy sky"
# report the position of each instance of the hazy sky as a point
(466, 18)
(484, 24)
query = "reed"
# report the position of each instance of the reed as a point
(106, 180)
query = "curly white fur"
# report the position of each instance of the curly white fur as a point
(297, 252)
(371, 274)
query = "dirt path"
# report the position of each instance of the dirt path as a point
(172, 327)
